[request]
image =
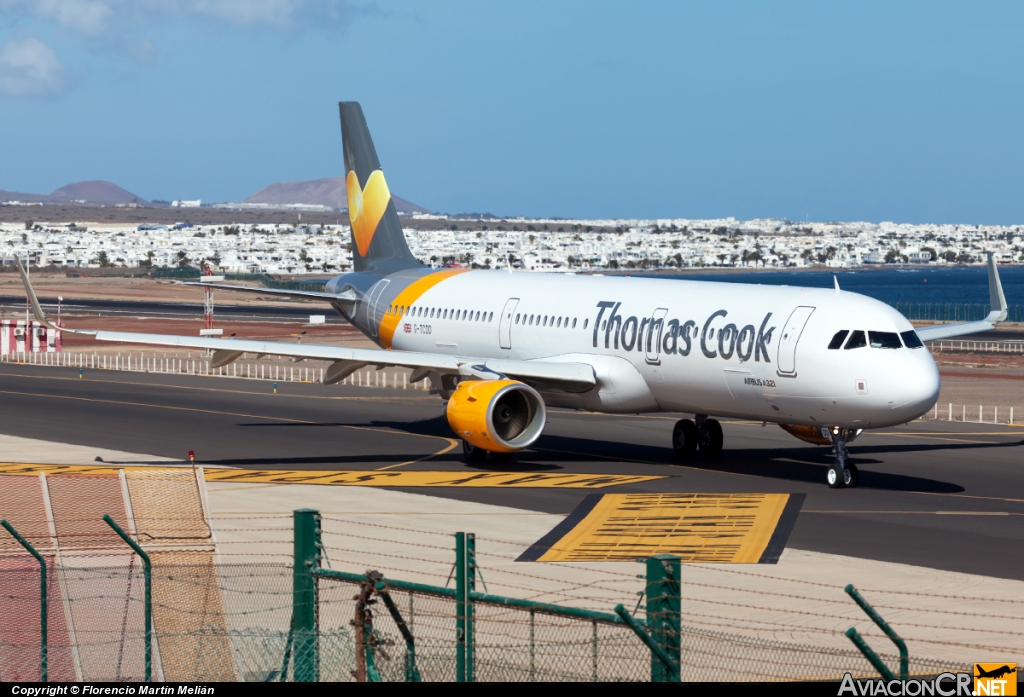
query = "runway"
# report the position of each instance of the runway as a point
(938, 495)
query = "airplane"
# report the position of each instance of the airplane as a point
(996, 673)
(503, 345)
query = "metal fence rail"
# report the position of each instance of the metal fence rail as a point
(954, 312)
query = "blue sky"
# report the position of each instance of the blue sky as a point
(910, 111)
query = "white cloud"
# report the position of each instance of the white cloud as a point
(30, 68)
(96, 18)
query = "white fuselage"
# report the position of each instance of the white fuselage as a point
(726, 349)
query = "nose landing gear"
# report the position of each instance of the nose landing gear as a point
(843, 472)
(705, 434)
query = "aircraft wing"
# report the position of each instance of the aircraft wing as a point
(997, 303)
(345, 361)
(298, 294)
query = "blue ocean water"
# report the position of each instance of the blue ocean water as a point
(890, 285)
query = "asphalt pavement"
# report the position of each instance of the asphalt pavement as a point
(933, 494)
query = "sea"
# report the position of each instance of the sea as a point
(967, 284)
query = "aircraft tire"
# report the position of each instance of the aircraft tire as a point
(715, 439)
(684, 438)
(851, 477)
(834, 477)
(472, 453)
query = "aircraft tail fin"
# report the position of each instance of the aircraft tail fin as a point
(378, 243)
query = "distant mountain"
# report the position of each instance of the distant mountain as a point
(318, 192)
(97, 192)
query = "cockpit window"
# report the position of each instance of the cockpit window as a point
(886, 340)
(837, 340)
(911, 339)
(857, 340)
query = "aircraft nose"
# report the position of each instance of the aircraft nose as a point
(920, 384)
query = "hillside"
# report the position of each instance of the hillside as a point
(318, 192)
(95, 192)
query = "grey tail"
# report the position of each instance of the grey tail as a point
(378, 243)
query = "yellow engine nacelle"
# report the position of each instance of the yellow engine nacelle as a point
(808, 434)
(502, 416)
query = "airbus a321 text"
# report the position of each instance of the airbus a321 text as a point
(501, 345)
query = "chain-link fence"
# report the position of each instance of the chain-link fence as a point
(243, 611)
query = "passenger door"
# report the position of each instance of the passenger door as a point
(505, 328)
(791, 332)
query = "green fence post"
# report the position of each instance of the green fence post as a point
(306, 558)
(147, 575)
(465, 584)
(470, 589)
(884, 626)
(43, 640)
(412, 674)
(671, 667)
(664, 610)
(872, 657)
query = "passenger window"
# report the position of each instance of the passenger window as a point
(837, 340)
(490, 317)
(586, 321)
(886, 340)
(559, 322)
(857, 340)
(911, 339)
(573, 322)
(603, 323)
(517, 319)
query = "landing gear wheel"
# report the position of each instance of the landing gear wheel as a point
(711, 445)
(851, 477)
(684, 438)
(472, 453)
(835, 477)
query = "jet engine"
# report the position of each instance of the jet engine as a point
(501, 416)
(808, 434)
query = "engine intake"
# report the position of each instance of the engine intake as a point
(502, 416)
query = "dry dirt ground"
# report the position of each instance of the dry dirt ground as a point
(50, 285)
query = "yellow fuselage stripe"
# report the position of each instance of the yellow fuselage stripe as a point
(408, 297)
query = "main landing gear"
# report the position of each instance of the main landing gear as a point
(843, 472)
(703, 433)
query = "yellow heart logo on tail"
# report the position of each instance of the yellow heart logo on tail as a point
(366, 207)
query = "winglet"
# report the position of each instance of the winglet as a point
(37, 309)
(997, 301)
(835, 279)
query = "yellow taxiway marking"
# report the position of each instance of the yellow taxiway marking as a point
(430, 479)
(839, 511)
(451, 442)
(707, 528)
(365, 477)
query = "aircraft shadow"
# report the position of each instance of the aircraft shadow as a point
(756, 462)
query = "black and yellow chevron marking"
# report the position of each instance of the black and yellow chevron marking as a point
(391, 478)
(707, 528)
